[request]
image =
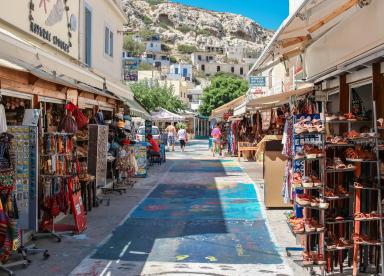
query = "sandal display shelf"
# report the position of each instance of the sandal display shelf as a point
(339, 249)
(328, 222)
(300, 186)
(373, 226)
(339, 178)
(330, 145)
(341, 170)
(303, 233)
(313, 168)
(366, 188)
(301, 264)
(337, 198)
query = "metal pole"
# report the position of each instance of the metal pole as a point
(379, 190)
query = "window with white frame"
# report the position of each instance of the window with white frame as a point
(108, 42)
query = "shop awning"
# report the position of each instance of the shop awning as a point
(220, 111)
(41, 74)
(64, 71)
(137, 110)
(277, 99)
(310, 22)
(163, 115)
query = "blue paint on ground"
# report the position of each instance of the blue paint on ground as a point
(231, 190)
(221, 220)
(201, 208)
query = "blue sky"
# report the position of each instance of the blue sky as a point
(268, 13)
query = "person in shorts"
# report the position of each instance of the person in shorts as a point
(171, 136)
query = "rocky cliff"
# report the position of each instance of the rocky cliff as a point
(180, 24)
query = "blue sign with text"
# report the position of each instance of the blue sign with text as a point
(257, 81)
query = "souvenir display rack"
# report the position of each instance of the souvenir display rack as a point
(309, 172)
(25, 143)
(10, 231)
(59, 178)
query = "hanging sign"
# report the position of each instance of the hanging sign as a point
(77, 208)
(257, 81)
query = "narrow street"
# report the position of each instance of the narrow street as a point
(202, 217)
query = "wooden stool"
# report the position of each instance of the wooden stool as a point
(244, 146)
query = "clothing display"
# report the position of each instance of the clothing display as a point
(9, 214)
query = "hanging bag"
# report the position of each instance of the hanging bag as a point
(80, 118)
(67, 124)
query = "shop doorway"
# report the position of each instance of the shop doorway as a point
(15, 104)
(361, 101)
(361, 105)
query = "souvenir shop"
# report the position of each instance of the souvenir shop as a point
(244, 134)
(54, 158)
(332, 142)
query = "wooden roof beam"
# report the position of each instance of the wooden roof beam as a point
(293, 41)
(333, 15)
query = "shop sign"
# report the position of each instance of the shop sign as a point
(131, 68)
(45, 15)
(55, 22)
(257, 81)
(148, 128)
(321, 97)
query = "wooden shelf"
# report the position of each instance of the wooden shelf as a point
(339, 249)
(311, 207)
(339, 221)
(347, 122)
(337, 198)
(307, 188)
(330, 145)
(309, 159)
(341, 170)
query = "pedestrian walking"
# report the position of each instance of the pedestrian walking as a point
(171, 136)
(216, 135)
(182, 136)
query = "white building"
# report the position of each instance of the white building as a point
(194, 97)
(210, 69)
(235, 52)
(202, 57)
(153, 46)
(181, 70)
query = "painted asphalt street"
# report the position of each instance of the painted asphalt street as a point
(202, 218)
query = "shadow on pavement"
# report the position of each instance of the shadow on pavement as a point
(181, 221)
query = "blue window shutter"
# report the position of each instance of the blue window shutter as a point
(111, 44)
(106, 40)
(88, 37)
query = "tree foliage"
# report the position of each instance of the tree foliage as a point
(151, 94)
(186, 49)
(223, 89)
(134, 47)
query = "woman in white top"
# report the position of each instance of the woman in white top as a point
(182, 135)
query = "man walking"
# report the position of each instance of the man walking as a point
(171, 136)
(182, 136)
